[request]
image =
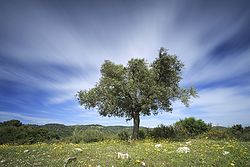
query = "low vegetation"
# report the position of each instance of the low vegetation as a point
(203, 152)
(188, 142)
(14, 132)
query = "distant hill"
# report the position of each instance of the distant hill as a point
(14, 131)
(66, 131)
(219, 127)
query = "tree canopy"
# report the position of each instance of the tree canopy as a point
(138, 89)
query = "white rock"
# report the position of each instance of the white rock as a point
(122, 155)
(225, 152)
(69, 159)
(143, 163)
(78, 149)
(158, 146)
(25, 151)
(183, 150)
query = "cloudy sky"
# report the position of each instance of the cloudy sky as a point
(49, 50)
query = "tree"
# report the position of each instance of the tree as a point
(191, 126)
(13, 122)
(237, 130)
(139, 89)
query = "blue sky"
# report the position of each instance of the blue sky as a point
(49, 50)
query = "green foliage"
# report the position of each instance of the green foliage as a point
(14, 132)
(237, 130)
(12, 122)
(87, 136)
(216, 134)
(192, 127)
(138, 89)
(183, 129)
(30, 134)
(123, 135)
(245, 136)
(240, 133)
(163, 132)
(7, 134)
(59, 129)
(141, 134)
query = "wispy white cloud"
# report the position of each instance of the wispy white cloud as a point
(224, 106)
(220, 106)
(219, 70)
(7, 115)
(83, 41)
(55, 40)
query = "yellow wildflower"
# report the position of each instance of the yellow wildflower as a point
(137, 161)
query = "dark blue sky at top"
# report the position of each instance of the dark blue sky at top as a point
(49, 50)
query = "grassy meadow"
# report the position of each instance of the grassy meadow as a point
(203, 152)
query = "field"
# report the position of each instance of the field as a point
(203, 152)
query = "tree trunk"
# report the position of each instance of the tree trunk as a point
(136, 119)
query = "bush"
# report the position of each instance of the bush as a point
(237, 130)
(180, 132)
(141, 134)
(12, 122)
(8, 134)
(191, 127)
(163, 132)
(245, 136)
(240, 133)
(217, 134)
(15, 134)
(123, 135)
(86, 136)
(92, 136)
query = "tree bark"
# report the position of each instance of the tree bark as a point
(136, 119)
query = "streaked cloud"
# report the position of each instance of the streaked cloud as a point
(8, 115)
(51, 50)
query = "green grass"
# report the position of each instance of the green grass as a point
(203, 153)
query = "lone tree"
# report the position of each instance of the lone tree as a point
(139, 89)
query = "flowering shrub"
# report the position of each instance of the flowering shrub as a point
(217, 134)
